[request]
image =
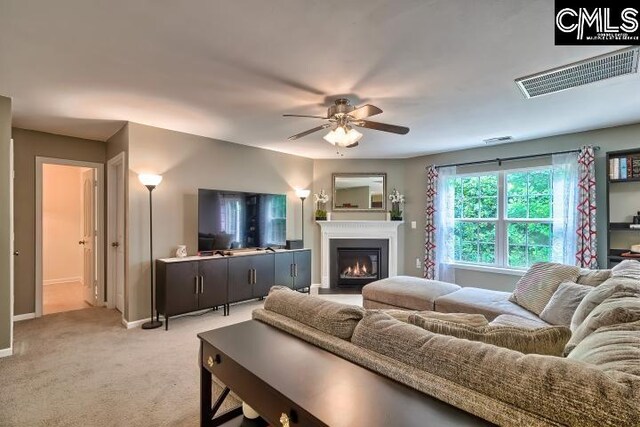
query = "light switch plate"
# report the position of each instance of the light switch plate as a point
(418, 263)
(414, 224)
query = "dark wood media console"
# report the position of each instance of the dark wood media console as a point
(184, 285)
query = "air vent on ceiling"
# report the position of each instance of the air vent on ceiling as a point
(614, 64)
(498, 140)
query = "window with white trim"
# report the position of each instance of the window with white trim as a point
(502, 219)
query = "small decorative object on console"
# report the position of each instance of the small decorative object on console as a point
(397, 200)
(321, 200)
(181, 252)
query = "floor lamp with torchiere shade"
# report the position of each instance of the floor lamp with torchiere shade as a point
(303, 194)
(151, 182)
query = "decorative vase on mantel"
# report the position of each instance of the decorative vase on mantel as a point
(321, 200)
(397, 200)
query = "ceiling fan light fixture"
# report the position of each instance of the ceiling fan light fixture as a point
(343, 136)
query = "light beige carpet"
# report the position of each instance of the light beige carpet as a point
(82, 368)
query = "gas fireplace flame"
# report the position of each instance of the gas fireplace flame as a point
(356, 271)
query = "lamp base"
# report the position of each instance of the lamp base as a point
(153, 324)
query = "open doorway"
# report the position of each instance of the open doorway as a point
(68, 236)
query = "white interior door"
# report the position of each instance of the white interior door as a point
(119, 243)
(88, 240)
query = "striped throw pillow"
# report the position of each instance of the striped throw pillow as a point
(537, 286)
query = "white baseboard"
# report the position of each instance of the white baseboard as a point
(134, 324)
(6, 352)
(61, 280)
(26, 316)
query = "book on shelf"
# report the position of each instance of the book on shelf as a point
(626, 167)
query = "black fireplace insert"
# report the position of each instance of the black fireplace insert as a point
(356, 262)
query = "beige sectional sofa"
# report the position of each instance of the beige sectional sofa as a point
(597, 384)
(414, 293)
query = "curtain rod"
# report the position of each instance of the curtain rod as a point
(508, 159)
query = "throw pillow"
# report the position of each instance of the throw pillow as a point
(563, 303)
(535, 289)
(549, 340)
(330, 317)
(615, 310)
(628, 268)
(621, 286)
(593, 277)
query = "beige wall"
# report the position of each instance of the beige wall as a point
(5, 229)
(322, 170)
(617, 138)
(188, 162)
(61, 223)
(27, 146)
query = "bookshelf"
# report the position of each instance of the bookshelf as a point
(623, 203)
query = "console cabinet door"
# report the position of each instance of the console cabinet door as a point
(284, 269)
(263, 266)
(240, 287)
(213, 273)
(302, 261)
(181, 282)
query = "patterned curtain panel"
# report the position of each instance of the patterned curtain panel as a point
(430, 228)
(586, 255)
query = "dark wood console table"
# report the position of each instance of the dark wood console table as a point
(290, 382)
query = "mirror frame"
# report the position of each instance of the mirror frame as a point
(361, 175)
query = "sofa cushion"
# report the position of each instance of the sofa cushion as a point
(613, 349)
(458, 318)
(615, 310)
(615, 285)
(535, 289)
(489, 303)
(564, 302)
(330, 317)
(593, 277)
(412, 293)
(565, 391)
(518, 322)
(548, 340)
(629, 268)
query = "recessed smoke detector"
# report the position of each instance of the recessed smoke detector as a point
(498, 140)
(615, 64)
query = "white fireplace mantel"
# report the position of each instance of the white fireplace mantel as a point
(354, 229)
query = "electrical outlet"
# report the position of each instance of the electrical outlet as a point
(418, 263)
(414, 225)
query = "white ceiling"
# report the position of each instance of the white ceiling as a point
(229, 70)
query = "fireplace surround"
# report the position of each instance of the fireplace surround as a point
(357, 229)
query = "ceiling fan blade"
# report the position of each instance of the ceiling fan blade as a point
(310, 131)
(365, 111)
(382, 126)
(303, 115)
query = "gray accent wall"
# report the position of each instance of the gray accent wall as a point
(28, 145)
(610, 139)
(5, 229)
(322, 171)
(188, 162)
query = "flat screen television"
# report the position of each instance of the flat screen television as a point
(235, 220)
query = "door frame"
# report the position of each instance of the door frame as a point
(112, 194)
(99, 249)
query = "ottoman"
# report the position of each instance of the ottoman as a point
(405, 292)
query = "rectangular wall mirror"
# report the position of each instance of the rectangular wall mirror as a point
(359, 192)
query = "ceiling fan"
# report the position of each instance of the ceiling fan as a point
(342, 116)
